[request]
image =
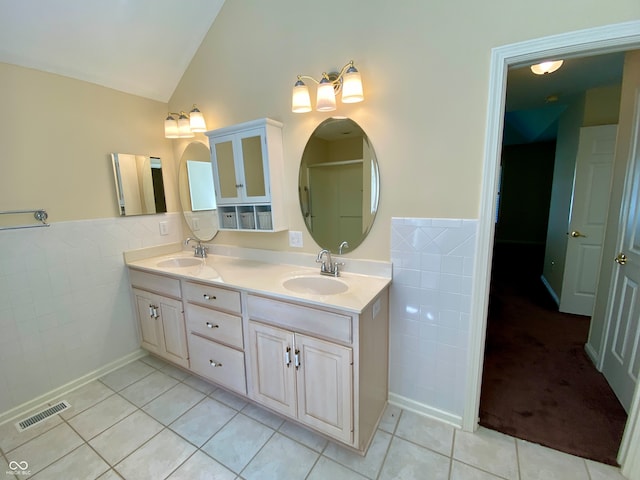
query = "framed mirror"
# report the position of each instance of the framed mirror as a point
(139, 184)
(338, 185)
(197, 194)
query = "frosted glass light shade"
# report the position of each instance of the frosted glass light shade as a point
(326, 98)
(196, 120)
(170, 127)
(184, 127)
(546, 67)
(352, 86)
(300, 99)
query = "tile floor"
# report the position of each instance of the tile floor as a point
(149, 420)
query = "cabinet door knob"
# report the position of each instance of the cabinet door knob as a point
(209, 297)
(211, 325)
(214, 364)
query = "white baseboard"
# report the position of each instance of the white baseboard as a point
(426, 410)
(592, 354)
(22, 409)
(550, 290)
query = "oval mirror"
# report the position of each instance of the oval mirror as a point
(197, 195)
(338, 184)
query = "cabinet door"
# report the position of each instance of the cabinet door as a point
(174, 334)
(226, 177)
(149, 321)
(325, 386)
(273, 376)
(254, 166)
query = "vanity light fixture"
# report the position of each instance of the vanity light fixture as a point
(185, 125)
(348, 81)
(546, 67)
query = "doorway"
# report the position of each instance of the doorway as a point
(597, 40)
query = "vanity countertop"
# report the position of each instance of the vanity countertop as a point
(260, 277)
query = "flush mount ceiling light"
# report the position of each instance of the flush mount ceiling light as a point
(348, 81)
(186, 124)
(546, 67)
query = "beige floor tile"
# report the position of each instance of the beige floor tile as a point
(124, 437)
(175, 372)
(201, 467)
(42, 451)
(173, 403)
(200, 385)
(281, 457)
(125, 376)
(109, 475)
(328, 469)
(101, 416)
(145, 390)
(231, 399)
(11, 438)
(263, 416)
(84, 397)
(426, 432)
(80, 464)
(390, 418)
(487, 450)
(407, 461)
(542, 463)
(599, 471)
(369, 465)
(461, 471)
(237, 442)
(201, 422)
(304, 436)
(157, 458)
(155, 362)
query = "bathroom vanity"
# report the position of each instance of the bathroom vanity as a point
(314, 351)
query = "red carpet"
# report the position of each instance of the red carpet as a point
(538, 383)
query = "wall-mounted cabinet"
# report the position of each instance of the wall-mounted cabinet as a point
(248, 171)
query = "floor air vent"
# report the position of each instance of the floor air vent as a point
(23, 425)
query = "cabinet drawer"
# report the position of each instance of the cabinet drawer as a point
(218, 326)
(218, 363)
(212, 296)
(333, 326)
(155, 283)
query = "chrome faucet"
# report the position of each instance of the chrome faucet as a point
(199, 250)
(328, 266)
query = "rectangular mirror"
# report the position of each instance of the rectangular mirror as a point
(139, 184)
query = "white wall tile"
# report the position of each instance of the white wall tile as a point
(436, 313)
(65, 306)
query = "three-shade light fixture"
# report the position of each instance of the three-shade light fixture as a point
(184, 125)
(347, 81)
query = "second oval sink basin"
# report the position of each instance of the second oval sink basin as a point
(180, 262)
(316, 285)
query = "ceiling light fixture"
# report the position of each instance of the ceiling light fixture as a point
(348, 81)
(546, 67)
(185, 125)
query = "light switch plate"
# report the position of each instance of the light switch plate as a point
(295, 239)
(195, 223)
(164, 228)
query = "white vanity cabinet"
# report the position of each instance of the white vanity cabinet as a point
(324, 368)
(248, 174)
(160, 317)
(214, 323)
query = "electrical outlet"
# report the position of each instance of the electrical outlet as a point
(295, 239)
(164, 228)
(376, 308)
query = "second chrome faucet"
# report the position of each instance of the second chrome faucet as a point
(328, 265)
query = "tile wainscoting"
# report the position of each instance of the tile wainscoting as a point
(65, 306)
(430, 308)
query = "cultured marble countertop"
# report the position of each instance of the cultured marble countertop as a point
(265, 278)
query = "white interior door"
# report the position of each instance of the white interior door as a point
(589, 206)
(621, 363)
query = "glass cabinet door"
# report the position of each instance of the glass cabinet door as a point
(227, 187)
(253, 165)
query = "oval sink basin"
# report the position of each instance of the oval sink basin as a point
(315, 285)
(180, 262)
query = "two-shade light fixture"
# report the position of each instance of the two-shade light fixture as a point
(184, 125)
(347, 81)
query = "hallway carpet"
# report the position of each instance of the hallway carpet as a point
(538, 383)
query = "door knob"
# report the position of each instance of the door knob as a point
(576, 234)
(621, 259)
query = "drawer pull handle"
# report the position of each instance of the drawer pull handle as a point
(211, 325)
(296, 358)
(209, 297)
(287, 356)
(214, 364)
